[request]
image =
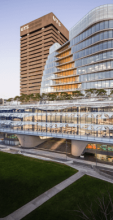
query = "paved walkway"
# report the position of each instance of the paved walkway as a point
(35, 203)
(48, 155)
(90, 172)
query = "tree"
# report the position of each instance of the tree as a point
(22, 97)
(77, 94)
(17, 98)
(111, 92)
(37, 96)
(102, 208)
(10, 100)
(101, 92)
(31, 97)
(64, 96)
(90, 92)
(44, 96)
(52, 96)
(27, 98)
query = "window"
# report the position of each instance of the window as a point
(102, 36)
(102, 25)
(99, 84)
(93, 39)
(84, 35)
(100, 75)
(104, 56)
(108, 65)
(111, 74)
(111, 24)
(107, 74)
(105, 45)
(107, 83)
(97, 48)
(97, 37)
(97, 27)
(93, 29)
(96, 67)
(89, 77)
(110, 34)
(104, 66)
(111, 83)
(106, 24)
(109, 44)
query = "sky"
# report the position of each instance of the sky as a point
(15, 13)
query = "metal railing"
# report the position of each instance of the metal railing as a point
(60, 135)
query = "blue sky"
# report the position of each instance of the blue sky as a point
(13, 14)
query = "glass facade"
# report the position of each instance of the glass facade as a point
(100, 26)
(71, 121)
(94, 59)
(102, 152)
(103, 12)
(88, 55)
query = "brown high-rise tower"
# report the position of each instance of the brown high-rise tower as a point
(36, 39)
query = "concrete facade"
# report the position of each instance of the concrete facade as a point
(36, 39)
(77, 147)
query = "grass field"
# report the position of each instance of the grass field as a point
(23, 178)
(62, 206)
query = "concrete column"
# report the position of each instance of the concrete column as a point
(77, 147)
(29, 141)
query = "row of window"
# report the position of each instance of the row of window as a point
(96, 76)
(98, 37)
(94, 58)
(53, 64)
(69, 109)
(93, 49)
(51, 60)
(98, 84)
(85, 85)
(64, 129)
(52, 55)
(65, 73)
(65, 87)
(54, 76)
(66, 66)
(97, 27)
(47, 77)
(65, 60)
(46, 83)
(95, 67)
(71, 118)
(50, 65)
(64, 54)
(51, 70)
(99, 147)
(65, 80)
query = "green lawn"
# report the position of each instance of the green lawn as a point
(23, 178)
(61, 206)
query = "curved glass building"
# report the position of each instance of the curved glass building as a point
(86, 60)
